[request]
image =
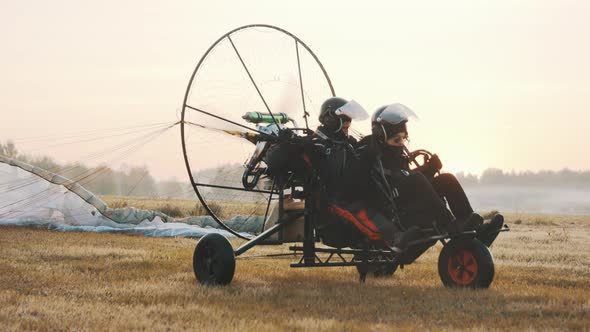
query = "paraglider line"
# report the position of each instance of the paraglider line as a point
(86, 175)
(86, 132)
(97, 138)
(134, 143)
(138, 182)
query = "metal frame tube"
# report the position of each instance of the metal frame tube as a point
(261, 237)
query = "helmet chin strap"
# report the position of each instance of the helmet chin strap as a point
(332, 114)
(384, 134)
(339, 126)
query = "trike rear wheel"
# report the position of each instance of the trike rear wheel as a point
(466, 263)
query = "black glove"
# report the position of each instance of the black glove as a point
(286, 134)
(434, 164)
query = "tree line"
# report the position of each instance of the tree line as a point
(137, 181)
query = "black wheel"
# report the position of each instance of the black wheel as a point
(214, 262)
(377, 271)
(381, 271)
(466, 263)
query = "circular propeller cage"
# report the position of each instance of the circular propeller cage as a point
(254, 79)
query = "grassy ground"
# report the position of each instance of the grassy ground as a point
(173, 207)
(90, 281)
(180, 208)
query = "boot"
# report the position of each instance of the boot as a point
(470, 223)
(488, 232)
(401, 239)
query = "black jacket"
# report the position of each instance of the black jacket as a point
(332, 156)
(396, 163)
(378, 186)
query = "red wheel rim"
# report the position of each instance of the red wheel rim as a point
(463, 267)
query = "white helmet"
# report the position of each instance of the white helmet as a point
(393, 114)
(389, 120)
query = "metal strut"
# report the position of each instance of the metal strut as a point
(336, 258)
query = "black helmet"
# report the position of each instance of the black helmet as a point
(390, 120)
(328, 109)
(328, 116)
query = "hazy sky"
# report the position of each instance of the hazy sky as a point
(496, 83)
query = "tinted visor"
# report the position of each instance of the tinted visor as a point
(352, 110)
(395, 113)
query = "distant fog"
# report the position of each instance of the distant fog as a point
(529, 199)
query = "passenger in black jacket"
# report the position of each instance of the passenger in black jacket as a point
(420, 193)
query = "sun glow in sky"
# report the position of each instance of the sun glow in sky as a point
(495, 83)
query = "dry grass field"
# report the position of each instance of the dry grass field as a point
(94, 281)
(179, 208)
